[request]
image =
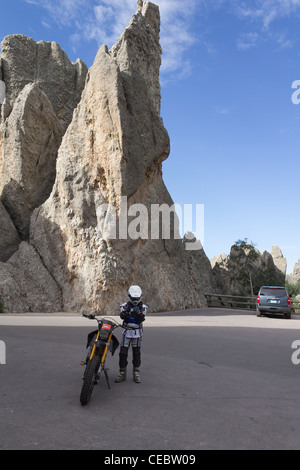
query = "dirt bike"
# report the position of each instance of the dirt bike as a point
(99, 342)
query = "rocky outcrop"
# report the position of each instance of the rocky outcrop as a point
(221, 274)
(32, 137)
(26, 285)
(113, 149)
(42, 88)
(2, 91)
(245, 270)
(9, 239)
(294, 277)
(24, 61)
(93, 235)
(221, 260)
(278, 259)
(39, 90)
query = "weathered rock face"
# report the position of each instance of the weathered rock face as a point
(9, 239)
(245, 270)
(32, 137)
(278, 259)
(91, 236)
(2, 91)
(26, 285)
(294, 277)
(39, 89)
(24, 61)
(221, 274)
(42, 88)
(114, 148)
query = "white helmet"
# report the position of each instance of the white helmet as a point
(135, 294)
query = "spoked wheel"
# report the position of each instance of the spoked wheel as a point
(89, 380)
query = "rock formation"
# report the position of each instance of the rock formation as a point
(9, 238)
(278, 259)
(26, 285)
(294, 277)
(114, 147)
(108, 170)
(24, 61)
(42, 88)
(2, 91)
(246, 269)
(32, 138)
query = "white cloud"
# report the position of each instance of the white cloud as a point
(264, 18)
(267, 11)
(247, 41)
(104, 21)
(222, 111)
(64, 12)
(111, 17)
(283, 41)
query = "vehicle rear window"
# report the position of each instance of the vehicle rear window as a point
(274, 291)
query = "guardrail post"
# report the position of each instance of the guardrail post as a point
(241, 302)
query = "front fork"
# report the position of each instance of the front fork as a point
(103, 357)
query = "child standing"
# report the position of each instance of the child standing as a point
(133, 314)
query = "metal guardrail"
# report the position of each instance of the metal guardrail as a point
(231, 301)
(295, 306)
(240, 302)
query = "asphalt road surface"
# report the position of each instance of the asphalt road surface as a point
(211, 379)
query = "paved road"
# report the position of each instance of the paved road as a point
(216, 379)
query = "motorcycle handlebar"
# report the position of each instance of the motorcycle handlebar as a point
(93, 317)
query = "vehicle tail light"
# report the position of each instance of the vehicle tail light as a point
(258, 299)
(289, 301)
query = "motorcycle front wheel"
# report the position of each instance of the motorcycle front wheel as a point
(90, 377)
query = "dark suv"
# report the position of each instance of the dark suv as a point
(273, 299)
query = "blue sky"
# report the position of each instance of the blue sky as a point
(227, 73)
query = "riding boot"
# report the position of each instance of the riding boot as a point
(122, 376)
(136, 375)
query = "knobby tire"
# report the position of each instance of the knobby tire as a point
(89, 379)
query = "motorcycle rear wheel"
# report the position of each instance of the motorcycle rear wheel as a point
(89, 380)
